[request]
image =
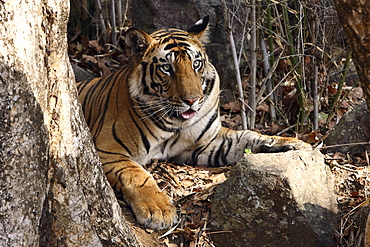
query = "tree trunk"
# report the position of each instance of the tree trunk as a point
(52, 189)
(355, 19)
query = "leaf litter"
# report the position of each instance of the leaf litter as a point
(191, 188)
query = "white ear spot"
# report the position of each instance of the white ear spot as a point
(199, 22)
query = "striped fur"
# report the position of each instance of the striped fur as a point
(163, 105)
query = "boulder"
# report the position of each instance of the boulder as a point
(281, 199)
(353, 127)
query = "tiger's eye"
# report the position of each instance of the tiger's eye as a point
(197, 64)
(166, 68)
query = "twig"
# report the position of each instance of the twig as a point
(286, 129)
(315, 98)
(345, 168)
(334, 103)
(316, 81)
(119, 13)
(102, 22)
(243, 103)
(278, 84)
(362, 204)
(346, 144)
(235, 60)
(253, 74)
(170, 231)
(114, 27)
(269, 77)
(267, 68)
(218, 232)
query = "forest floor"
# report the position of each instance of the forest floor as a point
(192, 187)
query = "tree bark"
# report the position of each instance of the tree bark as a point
(52, 189)
(355, 19)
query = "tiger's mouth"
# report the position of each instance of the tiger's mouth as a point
(188, 114)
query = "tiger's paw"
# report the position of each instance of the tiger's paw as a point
(154, 209)
(276, 144)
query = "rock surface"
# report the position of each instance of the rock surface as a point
(81, 74)
(353, 127)
(283, 199)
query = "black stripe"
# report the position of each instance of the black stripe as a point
(125, 168)
(116, 161)
(143, 81)
(118, 140)
(113, 153)
(218, 154)
(206, 128)
(81, 85)
(226, 152)
(195, 155)
(211, 161)
(210, 83)
(174, 142)
(139, 117)
(103, 107)
(170, 46)
(146, 180)
(143, 136)
(199, 151)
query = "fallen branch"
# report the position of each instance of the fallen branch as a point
(346, 144)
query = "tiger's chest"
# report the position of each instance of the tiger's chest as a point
(168, 146)
(172, 145)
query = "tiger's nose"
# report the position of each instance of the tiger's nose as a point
(190, 101)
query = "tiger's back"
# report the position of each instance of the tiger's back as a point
(163, 105)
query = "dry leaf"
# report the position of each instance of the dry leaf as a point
(232, 106)
(310, 137)
(263, 107)
(95, 45)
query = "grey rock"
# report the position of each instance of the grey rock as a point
(81, 74)
(353, 127)
(282, 199)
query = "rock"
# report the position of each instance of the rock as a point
(282, 199)
(81, 74)
(353, 127)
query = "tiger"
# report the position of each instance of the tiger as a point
(164, 104)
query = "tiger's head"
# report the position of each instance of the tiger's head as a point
(171, 70)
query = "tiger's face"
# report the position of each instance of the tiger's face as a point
(171, 67)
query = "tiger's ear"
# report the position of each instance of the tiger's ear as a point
(137, 41)
(199, 30)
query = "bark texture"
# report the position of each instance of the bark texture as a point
(52, 189)
(355, 19)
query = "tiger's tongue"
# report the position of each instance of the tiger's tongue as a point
(188, 114)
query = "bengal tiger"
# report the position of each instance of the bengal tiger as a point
(165, 105)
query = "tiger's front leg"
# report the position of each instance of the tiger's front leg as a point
(151, 206)
(227, 147)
